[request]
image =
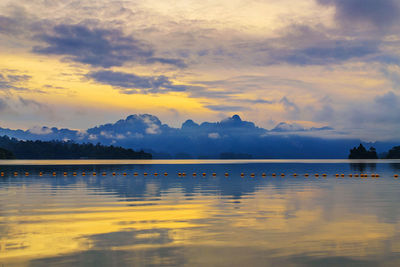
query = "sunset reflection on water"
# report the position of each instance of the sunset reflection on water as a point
(171, 220)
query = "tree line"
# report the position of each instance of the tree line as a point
(12, 148)
(361, 152)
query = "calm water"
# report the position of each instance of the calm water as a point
(106, 220)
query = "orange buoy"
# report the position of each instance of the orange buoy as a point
(263, 174)
(165, 174)
(226, 174)
(317, 175)
(83, 173)
(54, 173)
(124, 174)
(27, 174)
(324, 175)
(204, 174)
(252, 175)
(74, 173)
(135, 174)
(194, 174)
(242, 174)
(179, 174)
(94, 173)
(214, 174)
(145, 174)
(274, 174)
(350, 175)
(396, 176)
(295, 174)
(156, 174)
(15, 173)
(356, 175)
(282, 174)
(104, 174)
(183, 174)
(377, 175)
(2, 173)
(306, 175)
(337, 175)
(65, 174)
(342, 175)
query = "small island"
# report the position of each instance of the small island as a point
(361, 152)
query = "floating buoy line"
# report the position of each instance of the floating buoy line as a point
(194, 174)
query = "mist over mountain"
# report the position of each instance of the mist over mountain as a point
(231, 136)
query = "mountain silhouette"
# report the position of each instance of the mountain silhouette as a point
(230, 136)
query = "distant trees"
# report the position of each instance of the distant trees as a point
(66, 150)
(394, 153)
(5, 154)
(361, 152)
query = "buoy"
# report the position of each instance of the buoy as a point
(65, 174)
(114, 174)
(242, 174)
(274, 174)
(15, 173)
(54, 174)
(194, 174)
(295, 174)
(183, 174)
(356, 175)
(263, 174)
(74, 173)
(135, 174)
(204, 174)
(27, 174)
(252, 175)
(94, 174)
(306, 175)
(373, 175)
(214, 174)
(342, 175)
(377, 175)
(124, 174)
(350, 175)
(145, 174)
(83, 173)
(226, 174)
(179, 174)
(155, 174)
(324, 174)
(104, 174)
(316, 175)
(165, 174)
(337, 175)
(396, 176)
(2, 173)
(282, 174)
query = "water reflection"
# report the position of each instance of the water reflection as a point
(218, 221)
(363, 167)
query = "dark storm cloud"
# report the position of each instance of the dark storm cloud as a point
(131, 83)
(98, 47)
(380, 13)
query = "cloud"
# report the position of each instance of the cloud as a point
(295, 127)
(225, 108)
(11, 81)
(129, 83)
(3, 105)
(379, 13)
(98, 47)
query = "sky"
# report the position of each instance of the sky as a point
(313, 63)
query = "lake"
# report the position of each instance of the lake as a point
(110, 213)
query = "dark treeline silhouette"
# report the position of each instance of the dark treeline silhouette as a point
(394, 153)
(361, 152)
(5, 154)
(65, 150)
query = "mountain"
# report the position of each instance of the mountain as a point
(231, 136)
